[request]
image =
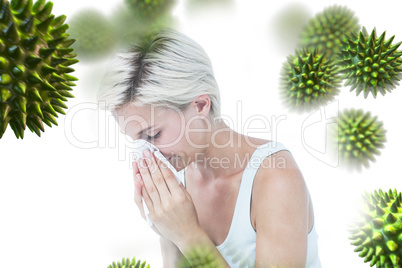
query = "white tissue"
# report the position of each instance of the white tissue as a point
(141, 146)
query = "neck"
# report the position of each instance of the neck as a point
(224, 156)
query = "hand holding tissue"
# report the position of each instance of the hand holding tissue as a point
(139, 147)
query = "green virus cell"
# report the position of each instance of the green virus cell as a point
(287, 25)
(200, 257)
(201, 4)
(128, 28)
(327, 29)
(94, 34)
(370, 64)
(127, 263)
(377, 235)
(149, 10)
(359, 137)
(35, 62)
(308, 80)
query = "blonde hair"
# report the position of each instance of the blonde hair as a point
(165, 68)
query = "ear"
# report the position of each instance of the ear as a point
(203, 104)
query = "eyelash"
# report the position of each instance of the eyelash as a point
(154, 137)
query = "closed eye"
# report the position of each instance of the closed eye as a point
(153, 137)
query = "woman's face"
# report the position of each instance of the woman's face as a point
(176, 133)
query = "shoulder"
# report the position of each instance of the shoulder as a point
(279, 169)
(279, 187)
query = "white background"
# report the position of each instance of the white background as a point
(66, 199)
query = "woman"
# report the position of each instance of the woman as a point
(243, 198)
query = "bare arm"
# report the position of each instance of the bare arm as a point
(281, 216)
(200, 251)
(171, 255)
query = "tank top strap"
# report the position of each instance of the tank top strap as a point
(243, 205)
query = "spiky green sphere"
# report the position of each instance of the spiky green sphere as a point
(308, 80)
(200, 4)
(327, 29)
(200, 257)
(378, 234)
(148, 10)
(34, 66)
(94, 34)
(127, 263)
(287, 25)
(370, 64)
(128, 28)
(359, 137)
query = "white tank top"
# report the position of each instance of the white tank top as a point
(238, 249)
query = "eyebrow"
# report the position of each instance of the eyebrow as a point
(145, 129)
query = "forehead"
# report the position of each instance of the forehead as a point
(130, 110)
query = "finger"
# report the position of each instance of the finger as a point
(157, 177)
(170, 179)
(137, 188)
(148, 201)
(148, 182)
(186, 193)
(135, 167)
(138, 196)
